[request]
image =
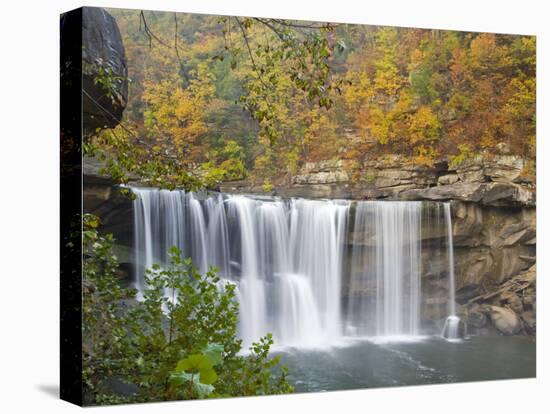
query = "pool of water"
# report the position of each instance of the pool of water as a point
(367, 363)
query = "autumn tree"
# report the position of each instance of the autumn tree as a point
(224, 98)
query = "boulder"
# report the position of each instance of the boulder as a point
(505, 320)
(103, 58)
(504, 168)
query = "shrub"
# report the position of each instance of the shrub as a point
(179, 342)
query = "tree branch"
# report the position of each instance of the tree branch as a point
(254, 66)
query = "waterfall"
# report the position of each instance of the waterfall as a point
(217, 237)
(452, 324)
(308, 271)
(385, 269)
(451, 260)
(318, 229)
(252, 287)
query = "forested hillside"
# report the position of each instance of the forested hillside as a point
(240, 97)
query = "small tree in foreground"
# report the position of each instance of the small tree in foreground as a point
(179, 342)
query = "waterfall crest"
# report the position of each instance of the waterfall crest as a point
(308, 271)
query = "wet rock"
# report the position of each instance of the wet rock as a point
(505, 320)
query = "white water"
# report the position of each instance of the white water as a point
(385, 270)
(452, 303)
(308, 271)
(451, 328)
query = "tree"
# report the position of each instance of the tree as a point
(179, 342)
(175, 116)
(305, 88)
(271, 59)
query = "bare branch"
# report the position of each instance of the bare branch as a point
(254, 66)
(149, 33)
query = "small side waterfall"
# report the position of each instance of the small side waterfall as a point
(308, 271)
(450, 249)
(452, 324)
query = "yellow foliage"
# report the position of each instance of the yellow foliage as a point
(424, 126)
(175, 114)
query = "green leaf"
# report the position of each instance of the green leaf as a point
(203, 390)
(208, 376)
(214, 353)
(201, 382)
(180, 377)
(201, 364)
(194, 362)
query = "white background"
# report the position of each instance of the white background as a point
(29, 206)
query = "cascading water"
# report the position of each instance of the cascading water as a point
(452, 324)
(309, 271)
(318, 229)
(385, 270)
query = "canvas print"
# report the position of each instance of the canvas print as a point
(256, 206)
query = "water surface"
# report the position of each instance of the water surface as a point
(432, 360)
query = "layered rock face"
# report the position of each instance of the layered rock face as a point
(498, 182)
